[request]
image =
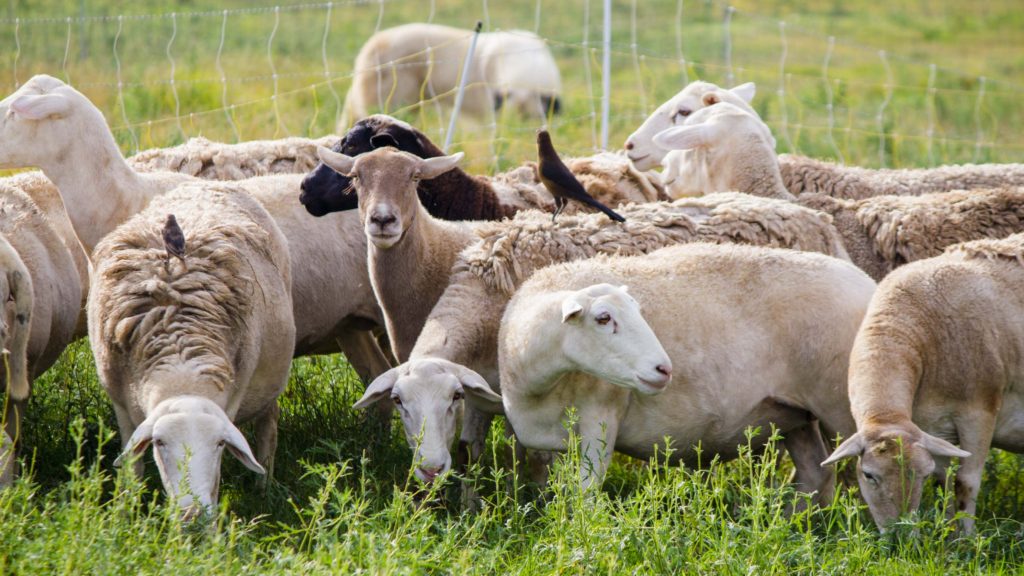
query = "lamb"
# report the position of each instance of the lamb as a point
(186, 352)
(880, 232)
(41, 295)
(410, 253)
(412, 63)
(219, 161)
(456, 195)
(937, 361)
(697, 301)
(461, 330)
(47, 124)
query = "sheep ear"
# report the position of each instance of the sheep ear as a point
(377, 389)
(939, 447)
(384, 140)
(337, 161)
(39, 106)
(434, 167)
(571, 308)
(473, 383)
(745, 91)
(624, 288)
(239, 448)
(683, 137)
(850, 448)
(138, 443)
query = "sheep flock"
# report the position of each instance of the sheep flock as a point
(882, 308)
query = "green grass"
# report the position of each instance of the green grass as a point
(342, 501)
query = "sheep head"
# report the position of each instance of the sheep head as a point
(42, 118)
(324, 190)
(189, 435)
(893, 462)
(16, 294)
(385, 181)
(640, 147)
(428, 393)
(605, 335)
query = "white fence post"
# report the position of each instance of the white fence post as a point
(462, 85)
(606, 71)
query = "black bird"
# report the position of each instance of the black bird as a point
(174, 239)
(560, 182)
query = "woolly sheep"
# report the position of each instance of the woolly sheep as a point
(741, 361)
(47, 123)
(455, 195)
(187, 350)
(413, 63)
(880, 232)
(937, 361)
(40, 295)
(410, 253)
(219, 161)
(461, 330)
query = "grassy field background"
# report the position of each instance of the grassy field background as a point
(342, 500)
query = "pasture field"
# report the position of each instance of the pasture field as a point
(342, 500)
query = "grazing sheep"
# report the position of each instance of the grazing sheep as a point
(40, 299)
(879, 232)
(220, 161)
(47, 124)
(186, 352)
(461, 330)
(803, 175)
(778, 359)
(937, 361)
(410, 252)
(412, 63)
(455, 195)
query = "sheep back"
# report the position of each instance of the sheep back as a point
(221, 161)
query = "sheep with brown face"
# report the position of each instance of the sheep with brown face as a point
(938, 361)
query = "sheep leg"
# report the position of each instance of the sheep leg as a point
(807, 449)
(9, 443)
(976, 437)
(538, 462)
(597, 442)
(368, 360)
(126, 427)
(475, 424)
(266, 439)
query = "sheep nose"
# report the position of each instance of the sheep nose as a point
(664, 369)
(629, 145)
(429, 474)
(382, 221)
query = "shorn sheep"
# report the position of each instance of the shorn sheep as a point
(41, 295)
(779, 359)
(938, 360)
(410, 253)
(879, 232)
(187, 350)
(455, 195)
(461, 330)
(51, 125)
(413, 63)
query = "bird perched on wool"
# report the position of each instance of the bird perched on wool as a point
(174, 239)
(560, 182)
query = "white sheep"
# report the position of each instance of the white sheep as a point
(937, 361)
(413, 63)
(778, 359)
(40, 299)
(220, 161)
(51, 125)
(186, 350)
(461, 330)
(879, 232)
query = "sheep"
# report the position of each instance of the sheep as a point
(47, 123)
(219, 161)
(187, 351)
(937, 361)
(456, 195)
(879, 232)
(41, 295)
(412, 63)
(410, 253)
(776, 359)
(461, 330)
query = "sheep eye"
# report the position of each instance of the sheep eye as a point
(396, 400)
(158, 443)
(684, 112)
(603, 318)
(873, 479)
(458, 395)
(220, 444)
